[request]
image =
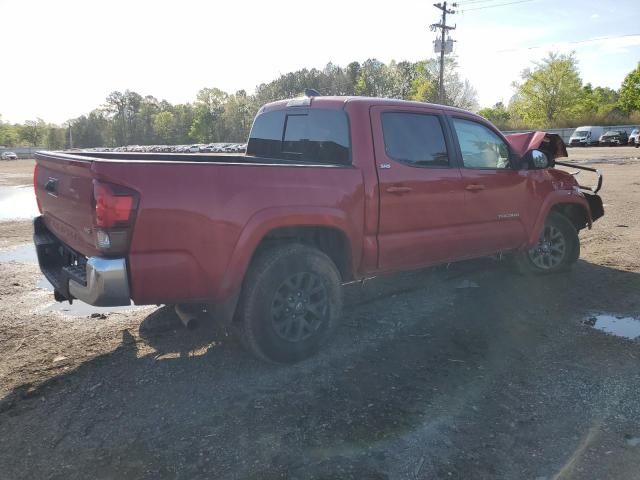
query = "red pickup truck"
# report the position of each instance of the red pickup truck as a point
(331, 190)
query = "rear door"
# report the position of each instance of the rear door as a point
(495, 193)
(422, 217)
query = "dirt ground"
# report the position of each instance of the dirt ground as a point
(425, 379)
(16, 172)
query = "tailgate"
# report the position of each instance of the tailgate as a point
(64, 189)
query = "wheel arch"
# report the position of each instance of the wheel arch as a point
(573, 206)
(327, 229)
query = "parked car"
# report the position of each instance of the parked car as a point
(332, 190)
(634, 137)
(9, 156)
(614, 137)
(585, 136)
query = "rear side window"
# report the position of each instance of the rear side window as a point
(305, 135)
(415, 138)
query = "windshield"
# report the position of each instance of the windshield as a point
(581, 133)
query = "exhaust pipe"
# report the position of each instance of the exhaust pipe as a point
(188, 315)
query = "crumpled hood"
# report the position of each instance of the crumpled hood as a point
(549, 143)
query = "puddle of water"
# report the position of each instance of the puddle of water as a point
(21, 254)
(17, 203)
(627, 327)
(44, 284)
(81, 309)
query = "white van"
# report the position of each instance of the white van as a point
(585, 136)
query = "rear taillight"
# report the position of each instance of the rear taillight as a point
(114, 214)
(35, 186)
(113, 206)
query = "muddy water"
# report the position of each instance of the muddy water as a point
(26, 254)
(21, 254)
(627, 327)
(17, 203)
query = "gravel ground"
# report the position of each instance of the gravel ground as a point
(462, 372)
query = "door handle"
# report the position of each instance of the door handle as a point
(399, 190)
(52, 185)
(475, 187)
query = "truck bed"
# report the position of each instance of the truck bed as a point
(196, 213)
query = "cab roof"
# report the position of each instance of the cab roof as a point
(340, 102)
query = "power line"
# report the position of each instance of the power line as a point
(574, 42)
(462, 10)
(475, 2)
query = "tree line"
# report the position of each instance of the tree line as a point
(550, 94)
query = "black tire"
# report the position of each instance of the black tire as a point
(291, 303)
(557, 250)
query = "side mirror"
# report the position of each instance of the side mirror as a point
(536, 160)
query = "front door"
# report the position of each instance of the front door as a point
(422, 199)
(495, 193)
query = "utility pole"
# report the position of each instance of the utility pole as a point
(70, 137)
(444, 45)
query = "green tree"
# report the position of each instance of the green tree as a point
(8, 134)
(237, 117)
(93, 130)
(375, 80)
(207, 124)
(163, 126)
(498, 115)
(630, 91)
(124, 108)
(549, 91)
(55, 137)
(149, 107)
(184, 115)
(33, 132)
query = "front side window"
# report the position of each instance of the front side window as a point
(304, 135)
(414, 138)
(480, 147)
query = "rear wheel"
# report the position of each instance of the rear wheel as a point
(557, 249)
(291, 303)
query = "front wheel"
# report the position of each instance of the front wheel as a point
(291, 303)
(557, 249)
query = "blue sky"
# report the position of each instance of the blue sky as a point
(67, 55)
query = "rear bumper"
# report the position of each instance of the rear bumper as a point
(106, 283)
(95, 280)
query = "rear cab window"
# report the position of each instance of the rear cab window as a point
(306, 135)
